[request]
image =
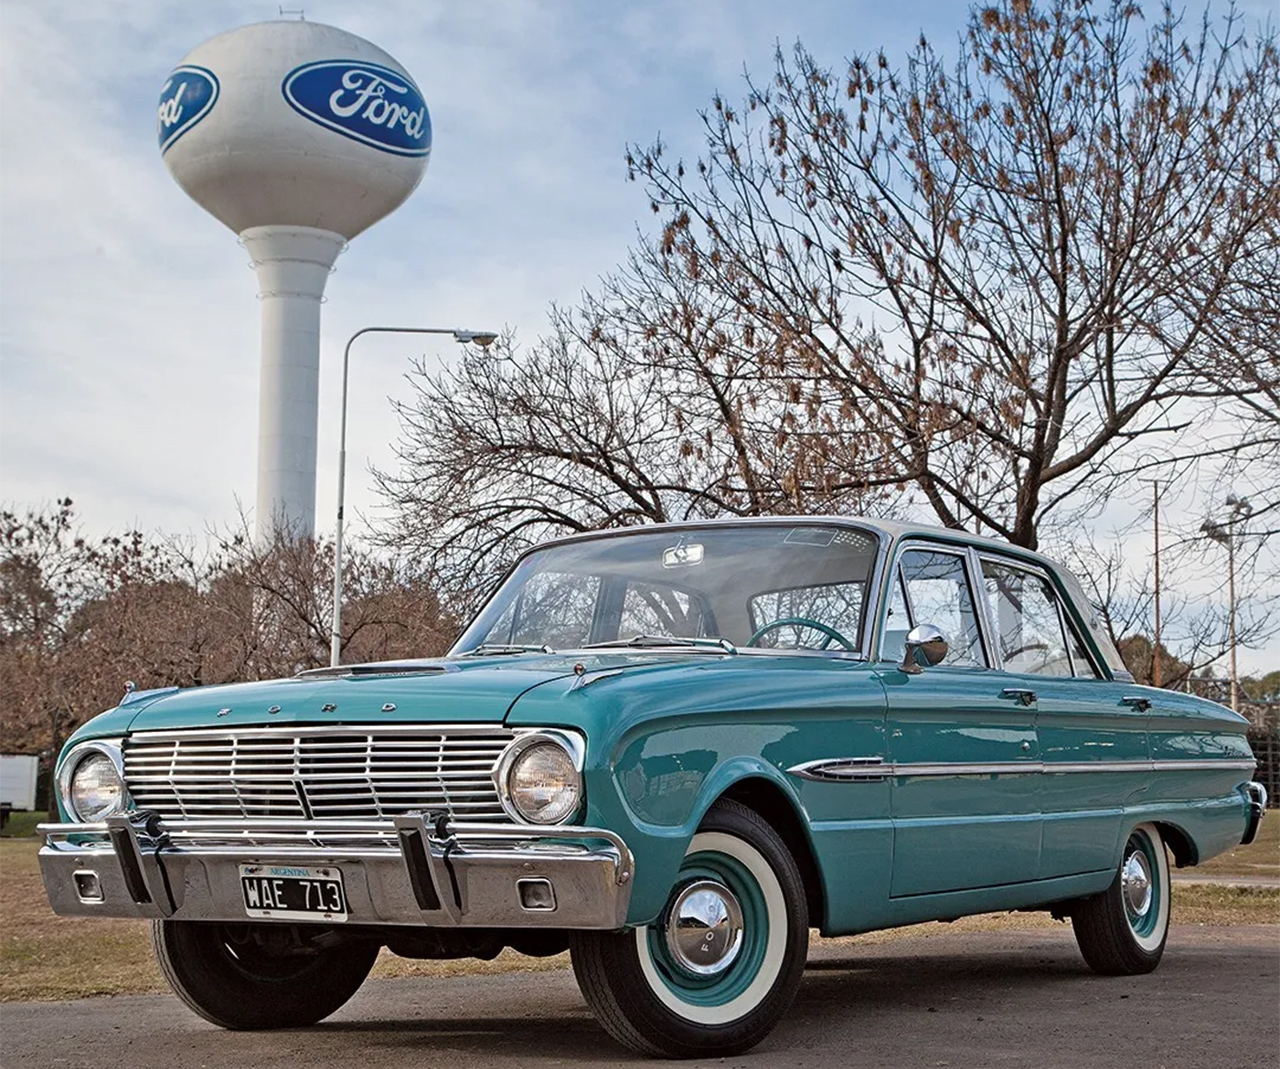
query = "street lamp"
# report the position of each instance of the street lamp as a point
(483, 338)
(1223, 533)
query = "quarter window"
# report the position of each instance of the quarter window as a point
(1029, 629)
(937, 592)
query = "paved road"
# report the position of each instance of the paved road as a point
(1006, 999)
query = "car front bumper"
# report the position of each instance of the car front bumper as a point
(419, 870)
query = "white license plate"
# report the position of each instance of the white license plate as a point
(291, 892)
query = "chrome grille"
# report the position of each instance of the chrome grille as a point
(317, 773)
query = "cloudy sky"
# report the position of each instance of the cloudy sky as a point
(128, 317)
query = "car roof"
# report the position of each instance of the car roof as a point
(893, 529)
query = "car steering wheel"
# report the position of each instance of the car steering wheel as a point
(801, 621)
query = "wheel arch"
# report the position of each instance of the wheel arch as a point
(1180, 844)
(766, 798)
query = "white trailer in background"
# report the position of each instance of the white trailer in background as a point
(18, 774)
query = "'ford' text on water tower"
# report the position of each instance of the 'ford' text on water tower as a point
(297, 136)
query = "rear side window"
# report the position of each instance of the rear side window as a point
(1031, 633)
(1094, 622)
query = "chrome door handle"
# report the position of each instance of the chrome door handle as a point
(1020, 695)
(1137, 701)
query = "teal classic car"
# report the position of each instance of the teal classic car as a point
(673, 751)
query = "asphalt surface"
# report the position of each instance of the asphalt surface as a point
(963, 1000)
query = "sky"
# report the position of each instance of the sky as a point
(128, 316)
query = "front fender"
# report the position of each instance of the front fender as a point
(662, 794)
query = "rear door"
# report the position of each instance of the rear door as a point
(1092, 744)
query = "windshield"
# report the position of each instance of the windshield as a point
(778, 587)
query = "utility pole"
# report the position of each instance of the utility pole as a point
(1155, 650)
(1231, 617)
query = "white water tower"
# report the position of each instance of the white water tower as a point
(297, 136)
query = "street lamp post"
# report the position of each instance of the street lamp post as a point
(1225, 534)
(483, 338)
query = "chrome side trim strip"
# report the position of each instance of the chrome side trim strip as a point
(990, 768)
(841, 769)
(874, 769)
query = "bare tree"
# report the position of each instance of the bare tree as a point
(79, 617)
(1000, 288)
(649, 403)
(1011, 271)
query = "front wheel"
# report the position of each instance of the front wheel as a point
(1122, 931)
(252, 976)
(722, 964)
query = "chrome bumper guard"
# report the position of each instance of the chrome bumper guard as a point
(1256, 796)
(429, 870)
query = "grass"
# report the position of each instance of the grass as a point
(43, 956)
(22, 824)
(1260, 858)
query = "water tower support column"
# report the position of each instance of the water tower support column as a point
(293, 265)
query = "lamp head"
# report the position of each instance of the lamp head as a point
(482, 338)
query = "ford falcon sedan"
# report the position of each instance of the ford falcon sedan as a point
(672, 751)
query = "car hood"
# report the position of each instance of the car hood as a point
(479, 691)
(443, 691)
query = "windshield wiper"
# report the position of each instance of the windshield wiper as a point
(495, 649)
(658, 641)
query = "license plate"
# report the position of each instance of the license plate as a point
(289, 892)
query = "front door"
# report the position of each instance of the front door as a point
(965, 810)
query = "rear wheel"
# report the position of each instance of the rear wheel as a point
(1122, 931)
(722, 964)
(249, 976)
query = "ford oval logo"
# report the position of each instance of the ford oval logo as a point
(374, 105)
(187, 97)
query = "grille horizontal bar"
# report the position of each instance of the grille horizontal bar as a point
(321, 774)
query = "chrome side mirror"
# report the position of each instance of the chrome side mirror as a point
(926, 646)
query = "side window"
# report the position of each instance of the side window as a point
(1028, 627)
(897, 622)
(937, 591)
(1081, 668)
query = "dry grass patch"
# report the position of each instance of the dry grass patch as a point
(44, 956)
(1260, 858)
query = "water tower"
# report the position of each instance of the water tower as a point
(297, 136)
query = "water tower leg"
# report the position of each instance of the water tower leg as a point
(293, 265)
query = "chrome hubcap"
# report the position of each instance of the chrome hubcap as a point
(1135, 882)
(704, 928)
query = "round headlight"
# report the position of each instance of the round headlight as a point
(543, 784)
(97, 790)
